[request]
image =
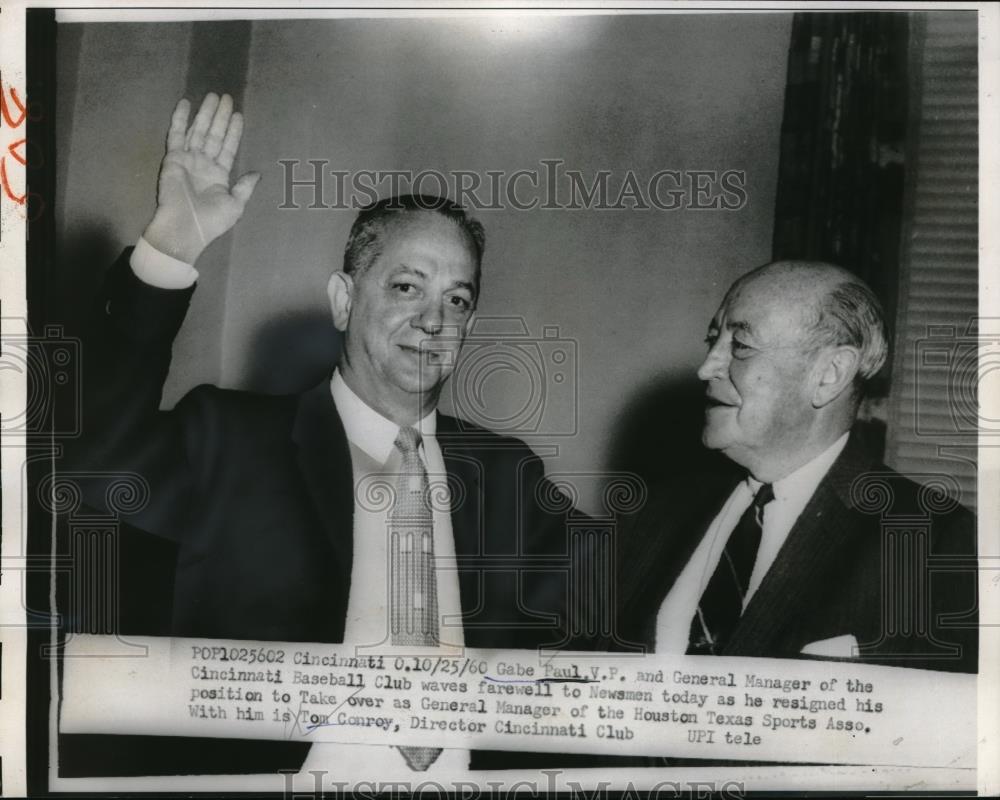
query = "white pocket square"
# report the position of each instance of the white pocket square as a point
(838, 647)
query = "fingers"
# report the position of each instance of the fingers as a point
(196, 135)
(231, 143)
(244, 187)
(216, 129)
(178, 126)
(220, 122)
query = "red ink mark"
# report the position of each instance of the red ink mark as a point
(19, 199)
(13, 151)
(17, 149)
(6, 112)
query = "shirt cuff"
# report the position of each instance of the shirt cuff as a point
(160, 270)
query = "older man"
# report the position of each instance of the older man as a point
(804, 555)
(352, 512)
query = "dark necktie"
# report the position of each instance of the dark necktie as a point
(413, 581)
(721, 605)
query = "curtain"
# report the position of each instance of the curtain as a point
(841, 165)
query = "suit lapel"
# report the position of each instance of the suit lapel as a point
(815, 545)
(325, 462)
(658, 550)
(466, 509)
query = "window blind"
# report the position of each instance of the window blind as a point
(933, 404)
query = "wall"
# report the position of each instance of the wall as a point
(632, 289)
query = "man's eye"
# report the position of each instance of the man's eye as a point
(403, 288)
(460, 302)
(740, 349)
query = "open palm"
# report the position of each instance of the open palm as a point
(194, 200)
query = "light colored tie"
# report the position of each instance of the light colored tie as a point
(413, 607)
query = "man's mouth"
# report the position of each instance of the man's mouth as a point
(715, 402)
(423, 354)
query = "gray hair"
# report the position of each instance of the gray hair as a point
(850, 314)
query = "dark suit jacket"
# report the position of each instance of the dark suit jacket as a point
(841, 570)
(257, 494)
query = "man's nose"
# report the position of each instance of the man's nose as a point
(715, 363)
(430, 319)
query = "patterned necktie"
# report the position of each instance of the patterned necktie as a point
(413, 607)
(721, 605)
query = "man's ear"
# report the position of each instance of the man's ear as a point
(340, 290)
(837, 367)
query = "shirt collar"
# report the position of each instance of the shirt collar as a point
(803, 482)
(365, 427)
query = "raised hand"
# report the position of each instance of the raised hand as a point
(195, 204)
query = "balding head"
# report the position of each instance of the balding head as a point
(791, 347)
(835, 307)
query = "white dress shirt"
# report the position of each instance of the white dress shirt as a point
(160, 270)
(374, 458)
(791, 494)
